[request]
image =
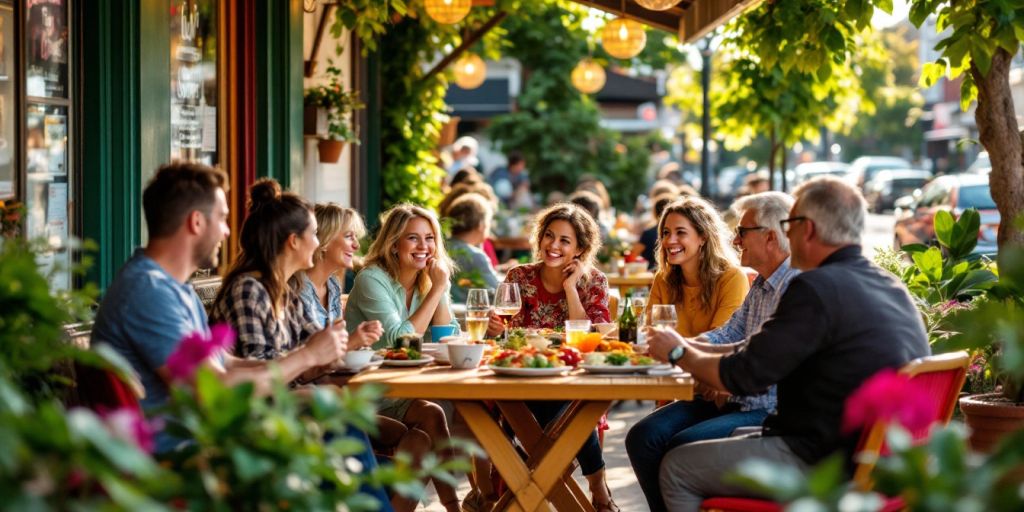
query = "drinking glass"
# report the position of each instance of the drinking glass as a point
(663, 315)
(575, 330)
(507, 303)
(478, 312)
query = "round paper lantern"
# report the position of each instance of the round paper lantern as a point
(470, 71)
(588, 76)
(623, 38)
(447, 11)
(657, 5)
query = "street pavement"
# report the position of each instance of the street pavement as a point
(621, 480)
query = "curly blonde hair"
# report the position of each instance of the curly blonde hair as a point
(716, 255)
(393, 223)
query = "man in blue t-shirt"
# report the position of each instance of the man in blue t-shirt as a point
(150, 307)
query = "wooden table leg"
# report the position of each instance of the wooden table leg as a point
(566, 494)
(553, 461)
(528, 497)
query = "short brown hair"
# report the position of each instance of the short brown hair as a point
(468, 212)
(177, 189)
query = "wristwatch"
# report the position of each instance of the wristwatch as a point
(676, 354)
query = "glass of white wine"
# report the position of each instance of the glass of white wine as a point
(507, 303)
(663, 315)
(478, 312)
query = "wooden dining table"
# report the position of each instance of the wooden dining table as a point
(625, 283)
(544, 480)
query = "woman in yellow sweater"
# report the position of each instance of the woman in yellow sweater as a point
(698, 271)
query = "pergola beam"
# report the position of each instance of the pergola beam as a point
(466, 44)
(703, 16)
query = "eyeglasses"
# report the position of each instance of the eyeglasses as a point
(787, 223)
(742, 231)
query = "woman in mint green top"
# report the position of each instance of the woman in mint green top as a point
(404, 284)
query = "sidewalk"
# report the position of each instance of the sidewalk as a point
(621, 480)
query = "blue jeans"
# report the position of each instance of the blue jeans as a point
(369, 463)
(674, 425)
(590, 457)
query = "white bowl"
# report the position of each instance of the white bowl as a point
(357, 359)
(464, 356)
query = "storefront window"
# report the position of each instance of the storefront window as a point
(194, 80)
(49, 182)
(7, 102)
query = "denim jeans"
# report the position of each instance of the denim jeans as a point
(369, 463)
(674, 425)
(590, 457)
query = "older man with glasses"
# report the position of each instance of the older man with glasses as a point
(839, 322)
(763, 246)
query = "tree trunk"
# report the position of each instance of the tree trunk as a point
(999, 133)
(782, 169)
(771, 161)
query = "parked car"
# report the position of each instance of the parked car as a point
(954, 193)
(982, 164)
(888, 185)
(809, 170)
(730, 179)
(863, 169)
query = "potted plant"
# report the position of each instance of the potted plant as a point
(994, 328)
(337, 104)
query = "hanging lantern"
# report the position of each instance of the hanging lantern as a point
(657, 5)
(447, 11)
(470, 71)
(588, 76)
(623, 38)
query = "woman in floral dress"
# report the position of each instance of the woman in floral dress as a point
(564, 285)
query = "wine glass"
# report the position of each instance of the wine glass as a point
(663, 315)
(507, 303)
(478, 311)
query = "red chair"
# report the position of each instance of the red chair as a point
(100, 389)
(943, 375)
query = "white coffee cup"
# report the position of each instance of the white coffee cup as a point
(357, 359)
(465, 356)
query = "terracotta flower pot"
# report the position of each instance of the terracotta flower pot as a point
(990, 418)
(330, 150)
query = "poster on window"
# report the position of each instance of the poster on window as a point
(46, 62)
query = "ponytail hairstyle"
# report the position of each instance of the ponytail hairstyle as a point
(273, 217)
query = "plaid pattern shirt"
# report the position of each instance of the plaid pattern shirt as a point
(757, 308)
(246, 306)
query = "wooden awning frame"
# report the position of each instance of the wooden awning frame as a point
(690, 20)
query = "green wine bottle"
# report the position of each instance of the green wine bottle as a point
(627, 323)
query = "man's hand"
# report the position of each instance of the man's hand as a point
(366, 334)
(661, 341)
(328, 345)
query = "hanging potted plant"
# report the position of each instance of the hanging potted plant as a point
(337, 105)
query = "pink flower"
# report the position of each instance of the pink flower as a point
(889, 396)
(196, 348)
(128, 424)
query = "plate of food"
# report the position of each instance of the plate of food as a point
(404, 356)
(618, 361)
(531, 362)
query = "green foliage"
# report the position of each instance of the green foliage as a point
(786, 82)
(996, 327)
(940, 475)
(555, 127)
(339, 105)
(977, 31)
(943, 279)
(251, 454)
(32, 320)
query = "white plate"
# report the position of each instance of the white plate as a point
(408, 362)
(626, 368)
(530, 372)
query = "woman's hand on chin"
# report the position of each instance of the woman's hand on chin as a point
(572, 272)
